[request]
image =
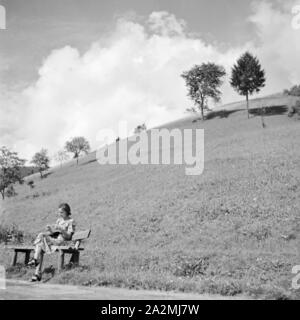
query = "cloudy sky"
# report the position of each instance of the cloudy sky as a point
(73, 67)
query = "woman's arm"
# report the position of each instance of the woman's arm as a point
(56, 225)
(66, 234)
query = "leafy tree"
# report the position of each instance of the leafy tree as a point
(61, 156)
(203, 82)
(77, 146)
(294, 91)
(41, 161)
(10, 169)
(247, 76)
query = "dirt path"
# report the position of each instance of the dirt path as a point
(16, 289)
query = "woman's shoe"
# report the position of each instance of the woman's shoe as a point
(36, 278)
(33, 262)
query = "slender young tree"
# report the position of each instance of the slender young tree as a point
(61, 156)
(247, 76)
(203, 82)
(41, 161)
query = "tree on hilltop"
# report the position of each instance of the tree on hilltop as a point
(203, 82)
(77, 146)
(247, 76)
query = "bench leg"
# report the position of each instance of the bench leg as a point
(27, 257)
(15, 258)
(61, 260)
(75, 258)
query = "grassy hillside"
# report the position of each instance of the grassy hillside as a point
(155, 227)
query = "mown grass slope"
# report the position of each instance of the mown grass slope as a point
(155, 227)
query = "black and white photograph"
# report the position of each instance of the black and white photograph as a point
(149, 151)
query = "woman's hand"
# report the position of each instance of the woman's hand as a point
(59, 229)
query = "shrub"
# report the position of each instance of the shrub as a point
(30, 183)
(295, 109)
(10, 191)
(140, 128)
(294, 91)
(186, 266)
(11, 234)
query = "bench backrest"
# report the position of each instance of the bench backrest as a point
(81, 235)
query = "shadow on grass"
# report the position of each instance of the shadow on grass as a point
(269, 111)
(220, 114)
(88, 162)
(266, 111)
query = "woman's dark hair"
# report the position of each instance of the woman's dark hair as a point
(66, 208)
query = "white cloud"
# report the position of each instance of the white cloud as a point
(133, 74)
(166, 24)
(279, 47)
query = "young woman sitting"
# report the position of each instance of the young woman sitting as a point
(54, 236)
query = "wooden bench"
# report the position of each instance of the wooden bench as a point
(74, 249)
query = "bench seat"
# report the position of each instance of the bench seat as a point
(30, 248)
